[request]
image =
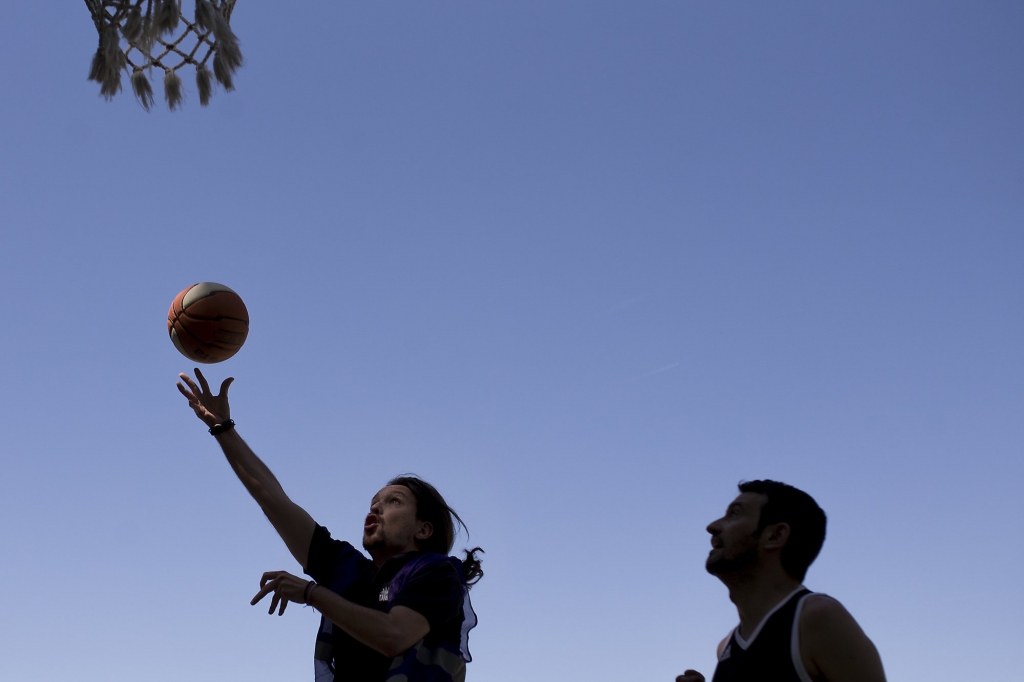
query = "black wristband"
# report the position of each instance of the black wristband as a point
(226, 425)
(309, 590)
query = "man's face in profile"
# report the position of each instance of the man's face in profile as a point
(734, 537)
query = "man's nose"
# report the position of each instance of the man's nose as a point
(714, 527)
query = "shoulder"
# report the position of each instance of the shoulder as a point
(723, 643)
(832, 643)
(322, 542)
(825, 615)
(821, 607)
(431, 576)
(823, 620)
(432, 567)
(327, 556)
(432, 586)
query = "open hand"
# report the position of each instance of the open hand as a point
(285, 586)
(690, 676)
(212, 409)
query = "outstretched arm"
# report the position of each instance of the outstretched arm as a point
(290, 520)
(833, 646)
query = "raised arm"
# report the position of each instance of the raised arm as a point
(291, 521)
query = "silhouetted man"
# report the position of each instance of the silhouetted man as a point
(761, 549)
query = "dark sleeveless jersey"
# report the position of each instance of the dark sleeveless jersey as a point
(772, 654)
(431, 584)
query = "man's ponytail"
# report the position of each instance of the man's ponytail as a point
(471, 566)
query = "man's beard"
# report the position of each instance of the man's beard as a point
(723, 565)
(379, 540)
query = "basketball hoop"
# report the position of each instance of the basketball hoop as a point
(142, 35)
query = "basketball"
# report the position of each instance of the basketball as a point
(208, 322)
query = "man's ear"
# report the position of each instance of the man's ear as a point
(424, 532)
(775, 536)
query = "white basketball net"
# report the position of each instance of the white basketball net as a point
(144, 35)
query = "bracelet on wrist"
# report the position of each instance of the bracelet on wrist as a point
(225, 425)
(310, 586)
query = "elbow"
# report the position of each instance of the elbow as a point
(392, 648)
(389, 652)
(394, 644)
(270, 503)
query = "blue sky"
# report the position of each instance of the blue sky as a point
(583, 265)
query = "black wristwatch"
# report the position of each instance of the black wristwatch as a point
(225, 425)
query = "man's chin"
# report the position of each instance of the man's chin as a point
(719, 565)
(714, 562)
(374, 542)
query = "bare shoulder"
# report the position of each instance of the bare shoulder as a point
(823, 620)
(721, 645)
(833, 645)
(821, 609)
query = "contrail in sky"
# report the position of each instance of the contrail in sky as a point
(660, 370)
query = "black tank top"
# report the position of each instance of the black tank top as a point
(769, 655)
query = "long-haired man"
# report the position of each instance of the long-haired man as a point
(403, 614)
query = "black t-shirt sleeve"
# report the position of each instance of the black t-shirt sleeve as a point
(434, 591)
(325, 553)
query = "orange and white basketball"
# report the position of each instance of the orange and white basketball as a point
(208, 322)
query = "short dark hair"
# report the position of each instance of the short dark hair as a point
(432, 508)
(805, 518)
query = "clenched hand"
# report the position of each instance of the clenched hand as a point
(690, 676)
